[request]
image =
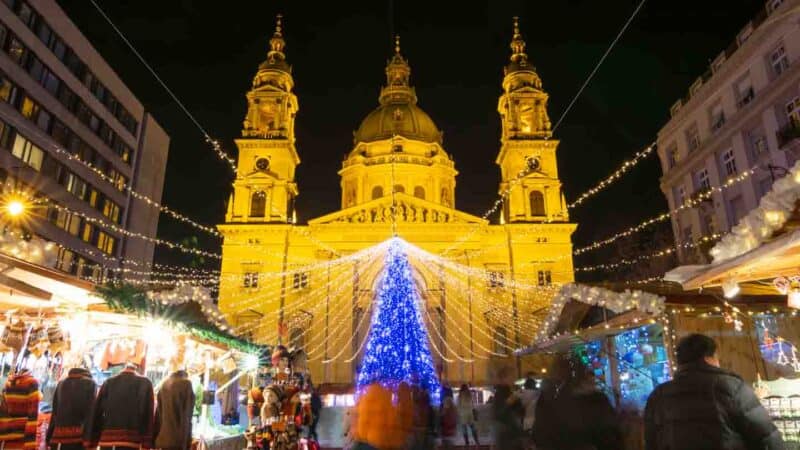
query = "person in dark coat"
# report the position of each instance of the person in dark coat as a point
(573, 414)
(72, 401)
(507, 412)
(705, 407)
(173, 421)
(316, 409)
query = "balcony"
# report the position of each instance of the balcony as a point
(701, 195)
(746, 98)
(788, 133)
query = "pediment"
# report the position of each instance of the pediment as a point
(410, 209)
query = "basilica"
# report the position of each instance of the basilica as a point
(311, 285)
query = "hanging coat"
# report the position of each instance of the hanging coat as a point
(173, 422)
(72, 401)
(21, 396)
(122, 414)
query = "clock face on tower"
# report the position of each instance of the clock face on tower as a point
(262, 164)
(533, 163)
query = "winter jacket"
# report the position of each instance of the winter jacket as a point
(449, 421)
(21, 396)
(576, 417)
(173, 421)
(122, 414)
(705, 407)
(72, 401)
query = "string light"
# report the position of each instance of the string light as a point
(127, 187)
(664, 216)
(606, 182)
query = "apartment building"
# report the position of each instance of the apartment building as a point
(73, 133)
(742, 114)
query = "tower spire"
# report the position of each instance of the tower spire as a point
(519, 59)
(398, 72)
(277, 44)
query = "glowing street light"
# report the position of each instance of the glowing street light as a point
(15, 208)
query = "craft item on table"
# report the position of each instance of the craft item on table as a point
(123, 413)
(21, 396)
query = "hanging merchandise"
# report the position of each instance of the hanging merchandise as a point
(71, 404)
(21, 397)
(122, 414)
(173, 419)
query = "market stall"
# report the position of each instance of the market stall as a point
(53, 322)
(626, 336)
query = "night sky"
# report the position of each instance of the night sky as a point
(208, 52)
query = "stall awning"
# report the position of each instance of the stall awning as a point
(779, 257)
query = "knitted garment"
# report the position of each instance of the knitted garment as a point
(72, 401)
(21, 395)
(122, 414)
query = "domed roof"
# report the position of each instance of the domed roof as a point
(398, 113)
(402, 119)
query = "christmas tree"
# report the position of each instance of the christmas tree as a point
(397, 345)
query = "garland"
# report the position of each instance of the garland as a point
(592, 295)
(759, 225)
(126, 298)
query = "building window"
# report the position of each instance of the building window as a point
(672, 156)
(377, 192)
(692, 138)
(495, 279)
(65, 261)
(105, 242)
(717, 116)
(537, 203)
(703, 182)
(758, 143)
(774, 4)
(545, 278)
(793, 111)
(446, 197)
(88, 232)
(779, 60)
(419, 192)
(737, 209)
(111, 210)
(399, 189)
(67, 221)
(250, 280)
(258, 204)
(729, 162)
(27, 152)
(680, 196)
(300, 280)
(744, 92)
(708, 223)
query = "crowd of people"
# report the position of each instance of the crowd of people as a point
(702, 407)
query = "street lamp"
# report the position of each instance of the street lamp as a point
(15, 208)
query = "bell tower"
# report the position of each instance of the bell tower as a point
(265, 188)
(527, 157)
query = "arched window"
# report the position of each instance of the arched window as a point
(377, 192)
(258, 204)
(446, 201)
(419, 192)
(399, 188)
(537, 203)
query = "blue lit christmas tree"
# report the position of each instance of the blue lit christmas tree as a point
(397, 345)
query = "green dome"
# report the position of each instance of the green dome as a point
(402, 119)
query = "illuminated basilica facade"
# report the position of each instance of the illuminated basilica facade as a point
(312, 285)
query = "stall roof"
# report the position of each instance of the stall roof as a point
(779, 257)
(25, 285)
